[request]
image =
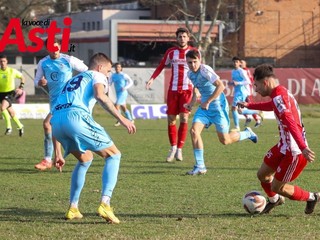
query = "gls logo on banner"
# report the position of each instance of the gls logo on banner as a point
(149, 111)
(15, 26)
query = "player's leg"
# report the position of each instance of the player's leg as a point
(77, 182)
(126, 112)
(182, 135)
(46, 162)
(197, 143)
(222, 124)
(183, 98)
(172, 112)
(5, 104)
(117, 106)
(110, 172)
(265, 174)
(289, 169)
(235, 117)
(173, 136)
(16, 120)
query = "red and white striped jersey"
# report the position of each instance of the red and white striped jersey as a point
(176, 57)
(288, 115)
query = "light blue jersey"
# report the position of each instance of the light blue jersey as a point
(240, 91)
(57, 72)
(121, 82)
(218, 110)
(72, 121)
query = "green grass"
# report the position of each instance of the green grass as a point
(153, 199)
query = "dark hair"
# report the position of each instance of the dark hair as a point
(99, 58)
(3, 56)
(182, 30)
(56, 40)
(236, 58)
(193, 53)
(117, 64)
(263, 71)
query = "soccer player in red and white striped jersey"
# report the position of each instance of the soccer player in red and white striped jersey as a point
(179, 92)
(285, 161)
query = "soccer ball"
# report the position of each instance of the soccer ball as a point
(253, 202)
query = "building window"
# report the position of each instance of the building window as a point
(93, 26)
(88, 26)
(27, 60)
(84, 26)
(98, 25)
(11, 60)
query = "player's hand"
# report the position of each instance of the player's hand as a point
(309, 154)
(129, 125)
(42, 82)
(242, 104)
(149, 83)
(205, 105)
(59, 163)
(18, 93)
(188, 106)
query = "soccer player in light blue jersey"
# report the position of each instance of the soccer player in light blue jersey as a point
(73, 126)
(213, 109)
(122, 82)
(240, 81)
(54, 71)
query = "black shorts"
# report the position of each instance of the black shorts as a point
(8, 96)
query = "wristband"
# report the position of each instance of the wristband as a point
(21, 85)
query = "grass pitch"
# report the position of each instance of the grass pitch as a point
(153, 199)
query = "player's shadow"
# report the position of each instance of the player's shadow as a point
(15, 214)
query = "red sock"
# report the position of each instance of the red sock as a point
(182, 134)
(172, 133)
(300, 194)
(255, 117)
(267, 189)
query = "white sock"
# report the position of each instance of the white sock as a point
(106, 200)
(74, 205)
(274, 199)
(311, 196)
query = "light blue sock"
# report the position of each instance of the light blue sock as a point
(110, 174)
(128, 115)
(235, 118)
(249, 112)
(48, 145)
(78, 179)
(244, 135)
(198, 156)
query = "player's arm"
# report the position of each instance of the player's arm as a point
(216, 93)
(158, 70)
(296, 133)
(108, 105)
(263, 106)
(292, 126)
(18, 75)
(129, 81)
(195, 94)
(78, 64)
(39, 78)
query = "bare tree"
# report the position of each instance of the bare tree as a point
(206, 15)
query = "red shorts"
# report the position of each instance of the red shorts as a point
(286, 167)
(176, 100)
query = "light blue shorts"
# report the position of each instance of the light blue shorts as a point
(217, 115)
(121, 97)
(77, 131)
